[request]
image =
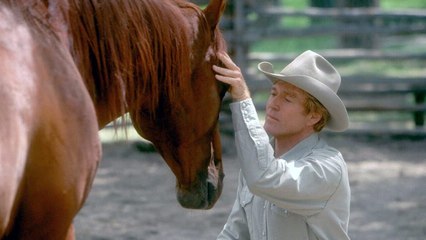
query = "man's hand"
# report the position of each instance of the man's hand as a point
(232, 75)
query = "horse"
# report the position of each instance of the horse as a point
(70, 67)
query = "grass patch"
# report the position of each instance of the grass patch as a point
(406, 68)
(399, 4)
(385, 4)
(294, 44)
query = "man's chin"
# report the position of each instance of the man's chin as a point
(271, 129)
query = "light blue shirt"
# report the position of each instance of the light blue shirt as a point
(303, 194)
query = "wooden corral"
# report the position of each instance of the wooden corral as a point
(364, 93)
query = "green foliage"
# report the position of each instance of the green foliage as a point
(293, 44)
(385, 4)
(297, 4)
(407, 44)
(401, 4)
(407, 68)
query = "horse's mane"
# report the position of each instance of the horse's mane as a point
(116, 43)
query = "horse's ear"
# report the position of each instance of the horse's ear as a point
(214, 11)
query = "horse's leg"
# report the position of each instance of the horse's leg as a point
(59, 175)
(41, 190)
(16, 125)
(60, 167)
(16, 121)
(71, 233)
(49, 146)
(13, 145)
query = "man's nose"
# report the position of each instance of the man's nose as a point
(273, 104)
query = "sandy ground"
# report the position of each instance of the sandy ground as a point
(133, 196)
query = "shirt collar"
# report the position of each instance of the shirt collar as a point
(301, 149)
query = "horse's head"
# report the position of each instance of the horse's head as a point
(185, 132)
(154, 60)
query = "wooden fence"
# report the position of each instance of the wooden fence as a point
(367, 95)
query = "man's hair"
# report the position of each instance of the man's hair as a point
(312, 105)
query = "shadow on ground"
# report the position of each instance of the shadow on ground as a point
(133, 196)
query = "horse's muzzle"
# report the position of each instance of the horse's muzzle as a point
(204, 192)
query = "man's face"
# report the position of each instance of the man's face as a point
(285, 112)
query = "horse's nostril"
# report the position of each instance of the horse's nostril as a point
(194, 198)
(211, 191)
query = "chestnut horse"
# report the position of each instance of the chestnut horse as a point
(69, 67)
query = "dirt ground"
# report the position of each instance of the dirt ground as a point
(133, 196)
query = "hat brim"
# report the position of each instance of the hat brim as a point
(339, 119)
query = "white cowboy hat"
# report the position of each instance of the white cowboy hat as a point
(315, 75)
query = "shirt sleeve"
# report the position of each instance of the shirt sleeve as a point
(303, 186)
(236, 226)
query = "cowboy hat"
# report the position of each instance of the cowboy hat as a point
(315, 75)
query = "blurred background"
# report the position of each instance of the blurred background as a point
(378, 46)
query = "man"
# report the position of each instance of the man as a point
(292, 186)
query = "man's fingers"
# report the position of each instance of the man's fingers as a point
(231, 74)
(227, 61)
(226, 71)
(224, 79)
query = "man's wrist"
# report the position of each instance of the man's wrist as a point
(241, 97)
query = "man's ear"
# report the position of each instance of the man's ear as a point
(314, 118)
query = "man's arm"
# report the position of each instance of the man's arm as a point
(236, 225)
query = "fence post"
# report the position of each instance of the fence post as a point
(419, 118)
(239, 43)
(359, 40)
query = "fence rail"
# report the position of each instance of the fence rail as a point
(249, 22)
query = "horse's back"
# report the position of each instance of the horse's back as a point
(49, 146)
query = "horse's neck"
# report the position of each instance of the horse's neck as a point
(105, 55)
(57, 19)
(48, 12)
(109, 107)
(104, 114)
